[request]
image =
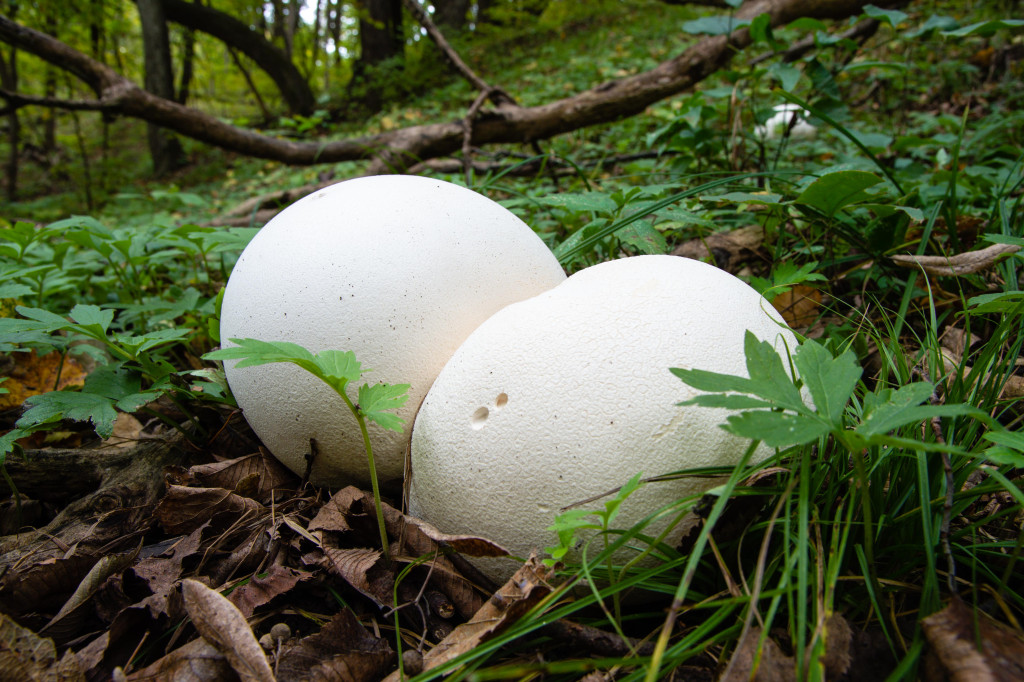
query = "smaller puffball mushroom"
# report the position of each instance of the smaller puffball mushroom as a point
(567, 395)
(776, 126)
(397, 269)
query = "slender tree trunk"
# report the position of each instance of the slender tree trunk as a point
(314, 49)
(49, 116)
(380, 31)
(9, 81)
(164, 148)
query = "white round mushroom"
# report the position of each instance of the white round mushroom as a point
(567, 395)
(397, 269)
(777, 124)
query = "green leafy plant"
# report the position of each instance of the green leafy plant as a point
(337, 369)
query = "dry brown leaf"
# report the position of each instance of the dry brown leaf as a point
(66, 624)
(343, 650)
(196, 661)
(363, 570)
(799, 306)
(961, 264)
(43, 587)
(955, 654)
(32, 375)
(759, 661)
(223, 626)
(258, 591)
(266, 471)
(726, 250)
(127, 431)
(183, 509)
(24, 655)
(1012, 389)
(521, 593)
(333, 515)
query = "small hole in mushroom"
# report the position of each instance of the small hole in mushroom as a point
(501, 401)
(479, 417)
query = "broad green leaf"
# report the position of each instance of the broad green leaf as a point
(113, 381)
(787, 74)
(933, 23)
(375, 401)
(893, 17)
(51, 321)
(887, 410)
(1004, 302)
(833, 191)
(769, 377)
(93, 317)
(985, 28)
(253, 352)
(643, 238)
(598, 202)
(14, 290)
(611, 507)
(776, 429)
(831, 381)
(713, 382)
(49, 407)
(714, 26)
(340, 365)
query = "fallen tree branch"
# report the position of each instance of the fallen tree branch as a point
(959, 265)
(397, 150)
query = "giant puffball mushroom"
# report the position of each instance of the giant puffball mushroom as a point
(567, 395)
(777, 124)
(399, 270)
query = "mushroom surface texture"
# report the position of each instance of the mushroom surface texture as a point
(567, 395)
(399, 270)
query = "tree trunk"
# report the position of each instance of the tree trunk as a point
(380, 39)
(9, 81)
(275, 63)
(164, 148)
(380, 31)
(451, 14)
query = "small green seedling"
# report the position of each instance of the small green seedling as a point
(337, 369)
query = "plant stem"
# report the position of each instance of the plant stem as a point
(373, 471)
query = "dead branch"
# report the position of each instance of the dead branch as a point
(397, 150)
(960, 264)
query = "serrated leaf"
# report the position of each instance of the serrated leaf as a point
(340, 365)
(770, 379)
(887, 410)
(644, 238)
(75, 406)
(599, 202)
(831, 381)
(253, 352)
(375, 401)
(776, 429)
(113, 381)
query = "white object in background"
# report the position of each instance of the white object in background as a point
(775, 127)
(398, 269)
